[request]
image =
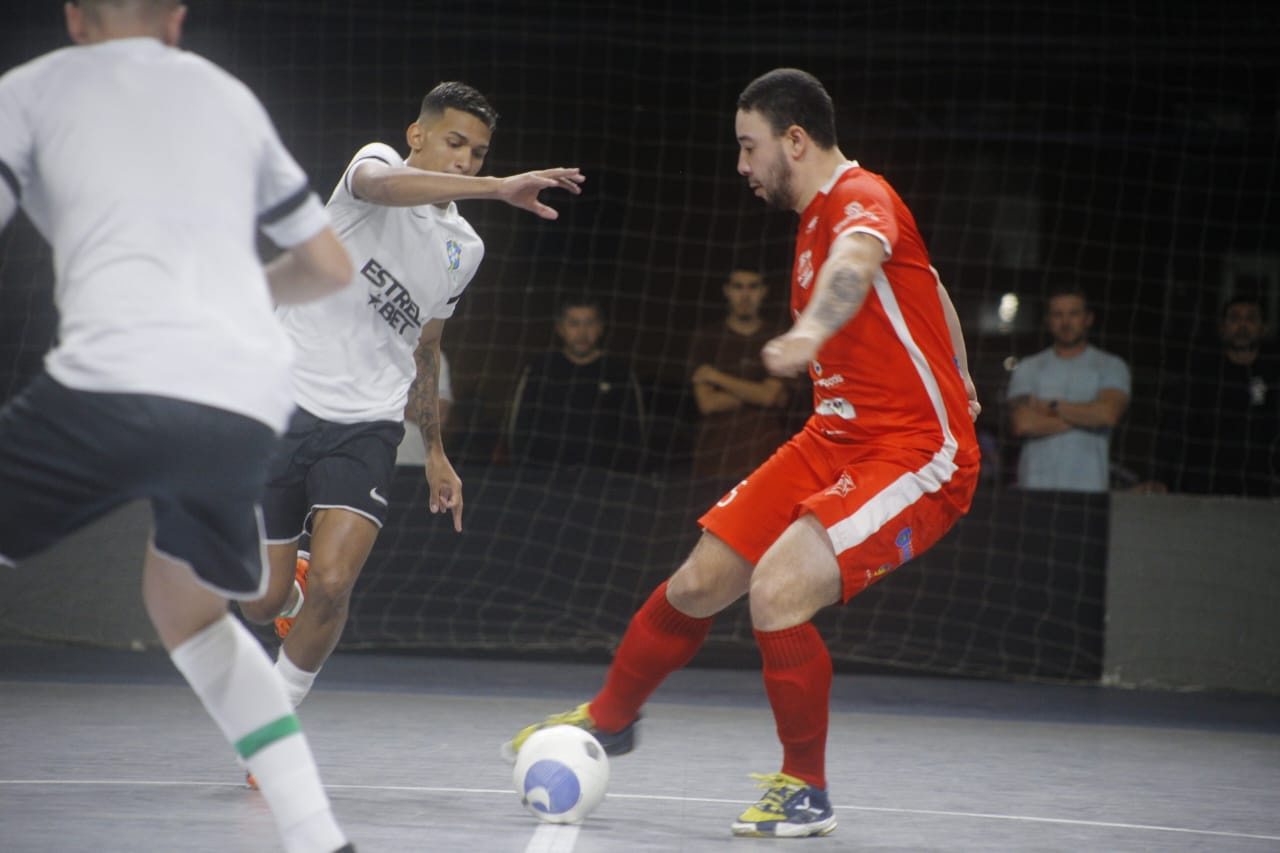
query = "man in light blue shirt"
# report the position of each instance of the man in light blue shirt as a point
(1064, 402)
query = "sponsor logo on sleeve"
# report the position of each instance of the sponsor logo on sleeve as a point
(837, 406)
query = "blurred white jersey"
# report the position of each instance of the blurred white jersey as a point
(149, 170)
(355, 348)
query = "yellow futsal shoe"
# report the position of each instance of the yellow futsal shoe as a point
(614, 743)
(792, 808)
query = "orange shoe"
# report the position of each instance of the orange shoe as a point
(250, 782)
(284, 624)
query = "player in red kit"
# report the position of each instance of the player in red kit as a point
(882, 469)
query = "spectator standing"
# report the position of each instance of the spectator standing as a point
(1065, 401)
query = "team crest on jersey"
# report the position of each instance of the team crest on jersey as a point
(454, 250)
(804, 269)
(843, 486)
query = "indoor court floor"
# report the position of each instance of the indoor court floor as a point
(110, 752)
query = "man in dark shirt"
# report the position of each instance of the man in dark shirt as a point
(577, 405)
(1223, 434)
(740, 403)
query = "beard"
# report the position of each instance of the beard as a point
(778, 185)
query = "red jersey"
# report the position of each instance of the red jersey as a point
(889, 376)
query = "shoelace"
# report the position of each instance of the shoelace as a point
(780, 790)
(569, 718)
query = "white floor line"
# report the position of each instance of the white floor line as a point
(553, 838)
(657, 797)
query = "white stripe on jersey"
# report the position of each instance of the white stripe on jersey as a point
(908, 488)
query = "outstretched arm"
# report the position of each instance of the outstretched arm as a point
(404, 186)
(841, 289)
(424, 409)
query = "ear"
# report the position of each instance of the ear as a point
(414, 134)
(75, 23)
(173, 25)
(795, 141)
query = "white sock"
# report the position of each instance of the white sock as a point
(297, 682)
(233, 677)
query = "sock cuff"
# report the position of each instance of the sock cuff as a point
(290, 671)
(214, 642)
(790, 647)
(663, 616)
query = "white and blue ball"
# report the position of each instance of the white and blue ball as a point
(561, 774)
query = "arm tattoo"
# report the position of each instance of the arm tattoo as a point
(844, 294)
(424, 406)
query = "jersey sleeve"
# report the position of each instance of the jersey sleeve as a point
(1115, 375)
(379, 151)
(288, 211)
(17, 142)
(1022, 382)
(863, 205)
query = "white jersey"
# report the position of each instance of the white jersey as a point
(149, 170)
(355, 348)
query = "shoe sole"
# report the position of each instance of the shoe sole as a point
(785, 830)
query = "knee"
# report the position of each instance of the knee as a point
(776, 603)
(700, 591)
(766, 593)
(329, 587)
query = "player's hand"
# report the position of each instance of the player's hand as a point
(446, 488)
(975, 408)
(789, 354)
(522, 190)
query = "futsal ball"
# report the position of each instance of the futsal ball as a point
(561, 774)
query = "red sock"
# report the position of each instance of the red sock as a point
(797, 677)
(659, 640)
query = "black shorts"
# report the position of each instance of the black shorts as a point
(324, 465)
(67, 457)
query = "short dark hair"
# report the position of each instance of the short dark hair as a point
(787, 96)
(93, 8)
(1243, 299)
(459, 96)
(583, 301)
(1067, 290)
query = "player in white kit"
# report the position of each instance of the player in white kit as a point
(149, 170)
(367, 351)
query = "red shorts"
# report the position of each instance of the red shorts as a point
(880, 506)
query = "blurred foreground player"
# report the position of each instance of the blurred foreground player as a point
(371, 353)
(883, 468)
(149, 170)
